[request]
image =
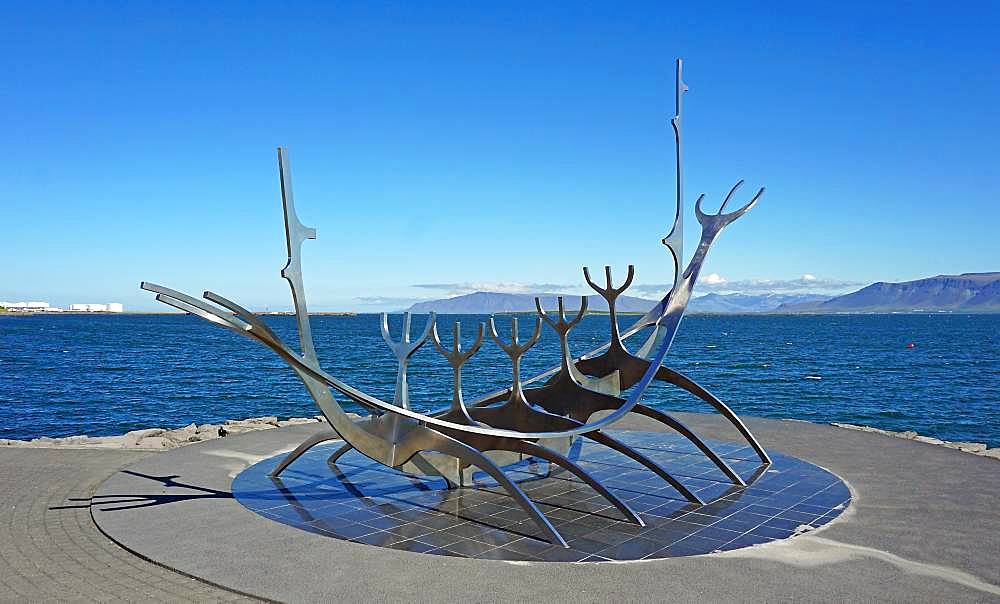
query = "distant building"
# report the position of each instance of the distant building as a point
(29, 307)
(91, 307)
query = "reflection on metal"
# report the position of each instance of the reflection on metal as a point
(577, 399)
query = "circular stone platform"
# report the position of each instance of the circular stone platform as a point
(920, 520)
(362, 501)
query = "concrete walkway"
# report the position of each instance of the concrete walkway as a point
(924, 527)
(50, 549)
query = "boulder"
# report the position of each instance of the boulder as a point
(269, 420)
(132, 438)
(967, 447)
(295, 421)
(155, 442)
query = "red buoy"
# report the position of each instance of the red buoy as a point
(911, 345)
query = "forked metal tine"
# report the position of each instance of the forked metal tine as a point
(562, 325)
(590, 282)
(719, 220)
(404, 348)
(541, 312)
(431, 321)
(609, 292)
(436, 339)
(457, 357)
(384, 328)
(729, 196)
(701, 216)
(580, 313)
(628, 280)
(515, 349)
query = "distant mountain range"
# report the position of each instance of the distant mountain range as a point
(969, 292)
(742, 303)
(490, 302)
(486, 303)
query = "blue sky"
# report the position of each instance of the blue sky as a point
(474, 146)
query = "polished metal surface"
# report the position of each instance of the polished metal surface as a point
(536, 422)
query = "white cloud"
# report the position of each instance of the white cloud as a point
(458, 289)
(716, 283)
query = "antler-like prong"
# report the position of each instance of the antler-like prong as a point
(590, 282)
(515, 348)
(403, 350)
(730, 195)
(562, 325)
(719, 220)
(702, 216)
(457, 355)
(456, 358)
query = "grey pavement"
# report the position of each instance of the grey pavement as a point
(50, 549)
(924, 527)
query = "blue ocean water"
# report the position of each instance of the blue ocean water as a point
(107, 374)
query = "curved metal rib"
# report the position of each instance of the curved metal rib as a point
(339, 453)
(473, 457)
(678, 379)
(631, 453)
(686, 432)
(562, 461)
(300, 450)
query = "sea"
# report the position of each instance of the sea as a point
(936, 374)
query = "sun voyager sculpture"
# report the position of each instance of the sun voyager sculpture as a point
(536, 417)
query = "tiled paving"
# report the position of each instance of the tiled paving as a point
(50, 549)
(362, 501)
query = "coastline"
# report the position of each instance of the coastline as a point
(162, 439)
(165, 439)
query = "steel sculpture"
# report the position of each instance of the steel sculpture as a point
(518, 421)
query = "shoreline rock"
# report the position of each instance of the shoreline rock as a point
(163, 439)
(974, 448)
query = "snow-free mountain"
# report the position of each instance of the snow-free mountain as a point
(968, 292)
(484, 303)
(487, 303)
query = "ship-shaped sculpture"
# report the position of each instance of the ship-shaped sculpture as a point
(536, 417)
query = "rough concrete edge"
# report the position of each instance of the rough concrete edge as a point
(979, 449)
(163, 439)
